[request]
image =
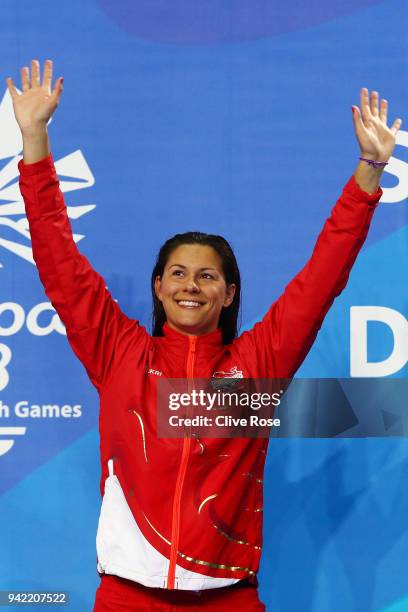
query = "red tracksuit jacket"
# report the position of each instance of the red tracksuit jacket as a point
(180, 513)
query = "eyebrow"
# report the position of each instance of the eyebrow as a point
(200, 270)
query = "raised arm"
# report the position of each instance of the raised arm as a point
(99, 333)
(281, 341)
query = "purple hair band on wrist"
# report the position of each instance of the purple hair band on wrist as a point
(376, 164)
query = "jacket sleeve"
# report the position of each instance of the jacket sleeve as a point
(280, 342)
(99, 333)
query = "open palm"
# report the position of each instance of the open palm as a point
(37, 102)
(376, 139)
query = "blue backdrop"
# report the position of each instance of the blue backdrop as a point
(233, 118)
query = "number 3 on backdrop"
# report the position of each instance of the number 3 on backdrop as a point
(5, 358)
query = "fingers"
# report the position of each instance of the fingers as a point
(369, 104)
(383, 110)
(365, 105)
(11, 88)
(396, 126)
(358, 122)
(25, 78)
(35, 81)
(47, 76)
(56, 92)
(35, 73)
(374, 103)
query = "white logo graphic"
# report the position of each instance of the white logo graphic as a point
(12, 214)
(6, 445)
(233, 373)
(35, 322)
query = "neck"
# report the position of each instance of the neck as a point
(191, 332)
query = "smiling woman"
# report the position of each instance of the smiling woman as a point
(196, 286)
(181, 519)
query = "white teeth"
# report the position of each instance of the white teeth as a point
(189, 304)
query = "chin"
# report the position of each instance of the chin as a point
(190, 326)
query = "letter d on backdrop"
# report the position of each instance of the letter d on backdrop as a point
(359, 364)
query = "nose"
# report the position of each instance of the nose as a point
(192, 286)
(190, 283)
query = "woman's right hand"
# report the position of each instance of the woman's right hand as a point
(37, 102)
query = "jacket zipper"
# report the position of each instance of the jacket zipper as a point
(175, 527)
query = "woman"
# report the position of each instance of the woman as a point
(181, 519)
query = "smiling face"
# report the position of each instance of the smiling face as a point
(193, 289)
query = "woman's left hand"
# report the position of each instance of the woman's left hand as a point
(376, 139)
